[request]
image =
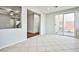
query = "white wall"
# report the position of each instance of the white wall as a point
(50, 22)
(36, 23)
(10, 36)
(33, 21)
(43, 24)
(30, 23)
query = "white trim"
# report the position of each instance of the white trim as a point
(11, 44)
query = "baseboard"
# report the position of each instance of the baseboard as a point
(11, 44)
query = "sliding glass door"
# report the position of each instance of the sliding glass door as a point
(59, 24)
(69, 24)
(64, 24)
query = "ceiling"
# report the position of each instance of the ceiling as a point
(49, 9)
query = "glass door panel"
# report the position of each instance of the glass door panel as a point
(69, 24)
(59, 24)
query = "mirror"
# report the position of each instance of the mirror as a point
(10, 17)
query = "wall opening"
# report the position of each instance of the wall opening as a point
(33, 23)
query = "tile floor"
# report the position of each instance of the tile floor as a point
(47, 43)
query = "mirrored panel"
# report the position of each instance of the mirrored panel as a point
(10, 17)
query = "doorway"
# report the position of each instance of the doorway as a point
(33, 24)
(59, 24)
(64, 24)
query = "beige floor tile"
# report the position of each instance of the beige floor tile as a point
(46, 43)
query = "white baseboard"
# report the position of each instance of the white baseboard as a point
(11, 44)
